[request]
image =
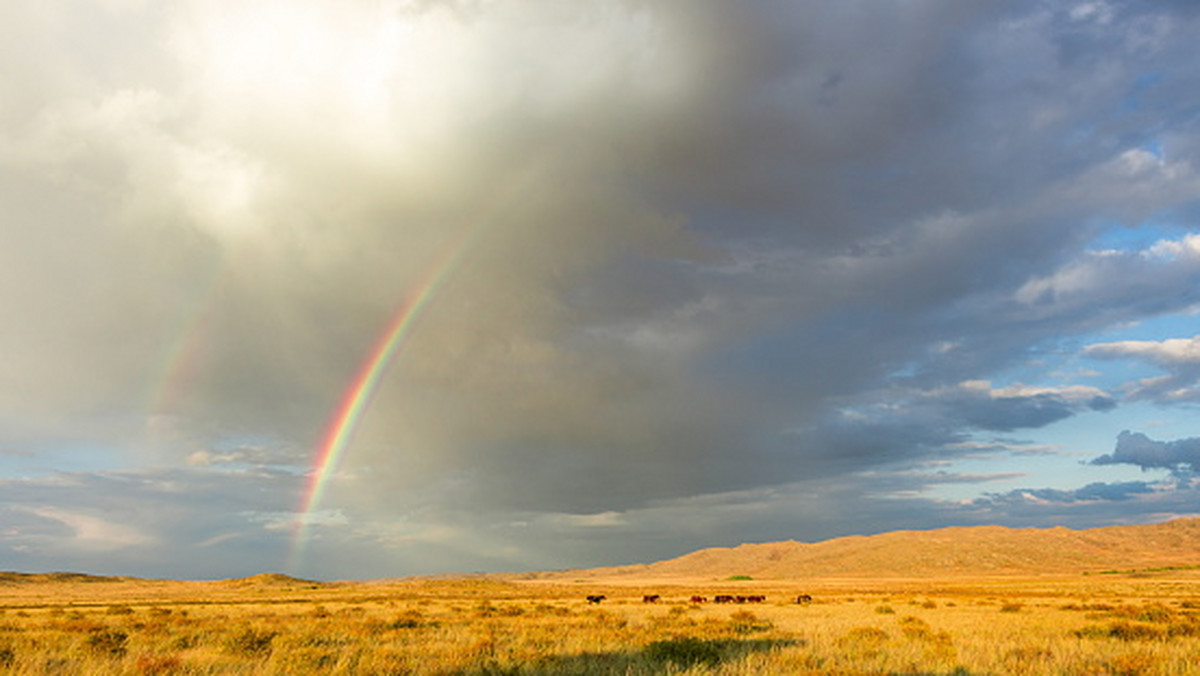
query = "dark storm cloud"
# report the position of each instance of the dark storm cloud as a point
(1006, 413)
(909, 425)
(712, 249)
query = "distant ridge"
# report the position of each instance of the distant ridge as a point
(262, 580)
(978, 550)
(266, 580)
(8, 578)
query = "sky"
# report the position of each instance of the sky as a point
(351, 289)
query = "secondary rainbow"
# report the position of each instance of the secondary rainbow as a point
(362, 389)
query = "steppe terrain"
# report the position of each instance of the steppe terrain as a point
(1114, 601)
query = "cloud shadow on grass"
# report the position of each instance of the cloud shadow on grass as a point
(666, 656)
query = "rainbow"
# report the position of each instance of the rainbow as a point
(362, 389)
(182, 359)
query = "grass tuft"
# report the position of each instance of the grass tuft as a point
(251, 642)
(107, 642)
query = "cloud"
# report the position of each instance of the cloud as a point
(1180, 357)
(16, 453)
(1170, 352)
(698, 251)
(898, 425)
(1135, 448)
(93, 532)
(1093, 492)
(162, 523)
(1014, 407)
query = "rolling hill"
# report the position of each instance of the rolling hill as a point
(980, 550)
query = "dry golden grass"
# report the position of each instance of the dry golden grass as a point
(1119, 624)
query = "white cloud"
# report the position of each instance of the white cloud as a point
(1169, 352)
(1102, 281)
(1100, 12)
(1073, 393)
(1180, 357)
(599, 520)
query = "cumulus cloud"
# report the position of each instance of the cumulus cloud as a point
(1180, 357)
(1170, 352)
(1135, 448)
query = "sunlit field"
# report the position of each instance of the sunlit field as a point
(1118, 624)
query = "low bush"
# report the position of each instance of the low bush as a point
(251, 643)
(1124, 630)
(107, 642)
(863, 638)
(746, 622)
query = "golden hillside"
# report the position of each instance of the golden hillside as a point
(981, 550)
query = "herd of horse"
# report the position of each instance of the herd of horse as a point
(802, 599)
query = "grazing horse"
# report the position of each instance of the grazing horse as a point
(723, 599)
(596, 598)
(651, 598)
(699, 599)
(756, 599)
(804, 599)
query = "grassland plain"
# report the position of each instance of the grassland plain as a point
(1140, 622)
